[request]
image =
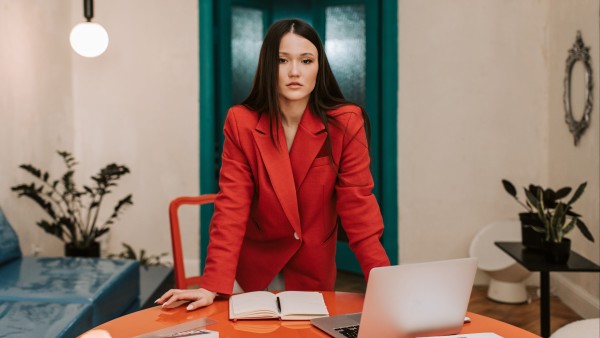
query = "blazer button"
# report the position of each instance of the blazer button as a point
(296, 235)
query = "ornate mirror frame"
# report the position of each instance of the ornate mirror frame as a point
(579, 52)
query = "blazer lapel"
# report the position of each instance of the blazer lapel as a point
(308, 141)
(278, 166)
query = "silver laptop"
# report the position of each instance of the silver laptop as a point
(420, 299)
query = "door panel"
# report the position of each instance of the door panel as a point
(350, 30)
(246, 39)
(346, 40)
(345, 45)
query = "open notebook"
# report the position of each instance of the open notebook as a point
(409, 300)
(286, 305)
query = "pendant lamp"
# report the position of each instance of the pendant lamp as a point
(88, 38)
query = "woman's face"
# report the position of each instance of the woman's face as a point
(298, 68)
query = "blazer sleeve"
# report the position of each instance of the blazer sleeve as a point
(232, 209)
(356, 205)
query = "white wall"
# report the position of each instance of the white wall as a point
(471, 111)
(138, 105)
(36, 114)
(569, 164)
(480, 100)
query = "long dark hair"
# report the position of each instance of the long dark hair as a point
(263, 97)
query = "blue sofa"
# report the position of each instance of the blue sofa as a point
(61, 296)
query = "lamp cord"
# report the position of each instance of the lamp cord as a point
(88, 9)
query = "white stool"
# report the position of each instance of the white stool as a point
(506, 275)
(586, 328)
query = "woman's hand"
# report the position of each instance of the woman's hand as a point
(198, 297)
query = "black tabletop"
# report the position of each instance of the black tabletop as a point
(535, 260)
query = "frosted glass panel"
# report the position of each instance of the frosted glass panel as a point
(246, 39)
(345, 45)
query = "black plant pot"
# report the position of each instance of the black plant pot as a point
(557, 253)
(91, 251)
(531, 239)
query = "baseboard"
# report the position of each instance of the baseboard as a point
(575, 297)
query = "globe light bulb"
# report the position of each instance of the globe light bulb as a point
(89, 39)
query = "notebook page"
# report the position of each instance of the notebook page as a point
(254, 302)
(306, 303)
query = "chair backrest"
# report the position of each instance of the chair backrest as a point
(181, 280)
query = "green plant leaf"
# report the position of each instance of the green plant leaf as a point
(578, 193)
(130, 252)
(70, 227)
(532, 199)
(549, 198)
(567, 228)
(68, 159)
(510, 188)
(562, 193)
(97, 233)
(584, 230)
(122, 203)
(538, 229)
(144, 260)
(555, 226)
(32, 170)
(73, 212)
(34, 193)
(51, 228)
(535, 189)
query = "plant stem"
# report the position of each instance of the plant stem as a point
(56, 201)
(527, 207)
(93, 227)
(89, 212)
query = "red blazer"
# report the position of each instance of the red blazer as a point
(276, 211)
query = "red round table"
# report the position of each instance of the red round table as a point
(156, 318)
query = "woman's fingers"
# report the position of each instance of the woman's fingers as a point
(198, 304)
(165, 296)
(207, 297)
(176, 297)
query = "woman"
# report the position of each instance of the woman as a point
(295, 157)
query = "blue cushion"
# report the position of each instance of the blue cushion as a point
(110, 286)
(9, 242)
(42, 319)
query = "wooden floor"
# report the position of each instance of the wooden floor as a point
(525, 316)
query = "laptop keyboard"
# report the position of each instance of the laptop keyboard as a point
(348, 331)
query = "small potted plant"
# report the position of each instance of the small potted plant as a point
(549, 216)
(145, 260)
(73, 211)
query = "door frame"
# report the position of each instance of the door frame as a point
(388, 106)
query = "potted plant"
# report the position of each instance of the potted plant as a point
(74, 212)
(549, 216)
(145, 260)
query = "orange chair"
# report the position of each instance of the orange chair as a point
(181, 281)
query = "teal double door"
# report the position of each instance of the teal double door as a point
(360, 39)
